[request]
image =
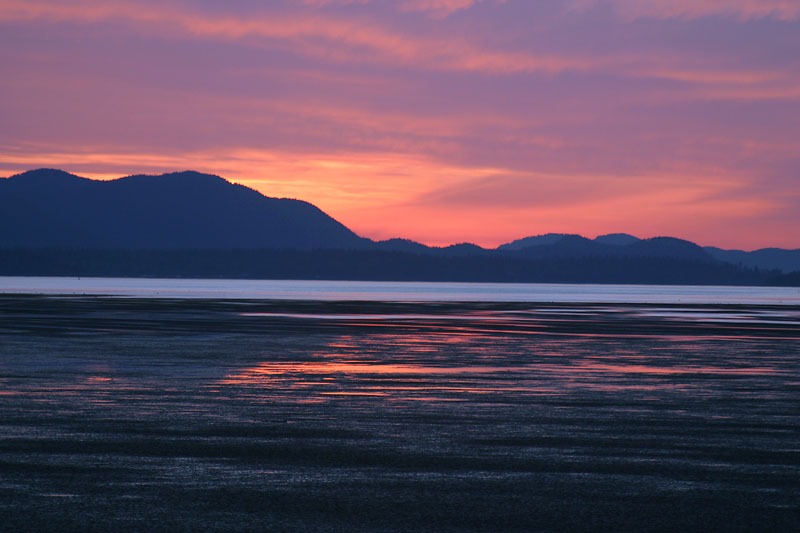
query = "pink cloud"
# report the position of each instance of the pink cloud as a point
(787, 10)
(435, 8)
(364, 41)
(343, 40)
(438, 8)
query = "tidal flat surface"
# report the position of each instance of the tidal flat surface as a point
(199, 414)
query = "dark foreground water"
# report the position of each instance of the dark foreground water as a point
(162, 414)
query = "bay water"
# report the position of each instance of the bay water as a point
(263, 405)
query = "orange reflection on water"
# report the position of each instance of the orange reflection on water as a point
(98, 379)
(414, 363)
(674, 370)
(354, 393)
(266, 371)
(420, 366)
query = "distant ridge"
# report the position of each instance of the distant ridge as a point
(56, 223)
(401, 245)
(556, 245)
(536, 240)
(765, 258)
(623, 244)
(619, 239)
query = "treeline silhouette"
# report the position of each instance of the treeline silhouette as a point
(188, 224)
(376, 266)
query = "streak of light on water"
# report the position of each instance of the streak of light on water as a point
(400, 291)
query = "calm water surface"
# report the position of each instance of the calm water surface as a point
(401, 291)
(267, 412)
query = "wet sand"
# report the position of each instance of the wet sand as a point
(124, 413)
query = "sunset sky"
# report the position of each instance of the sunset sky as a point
(437, 120)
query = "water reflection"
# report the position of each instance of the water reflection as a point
(442, 366)
(595, 320)
(174, 397)
(269, 370)
(400, 291)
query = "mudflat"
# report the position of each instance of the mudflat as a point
(189, 414)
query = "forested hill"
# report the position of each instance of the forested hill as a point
(188, 224)
(184, 210)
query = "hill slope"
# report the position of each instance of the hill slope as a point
(766, 258)
(191, 224)
(184, 210)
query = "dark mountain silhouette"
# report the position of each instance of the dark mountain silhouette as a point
(765, 258)
(562, 246)
(373, 265)
(402, 245)
(566, 245)
(182, 210)
(792, 279)
(619, 239)
(187, 224)
(536, 240)
(665, 247)
(409, 246)
(463, 249)
(577, 246)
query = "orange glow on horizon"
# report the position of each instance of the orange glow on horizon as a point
(387, 195)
